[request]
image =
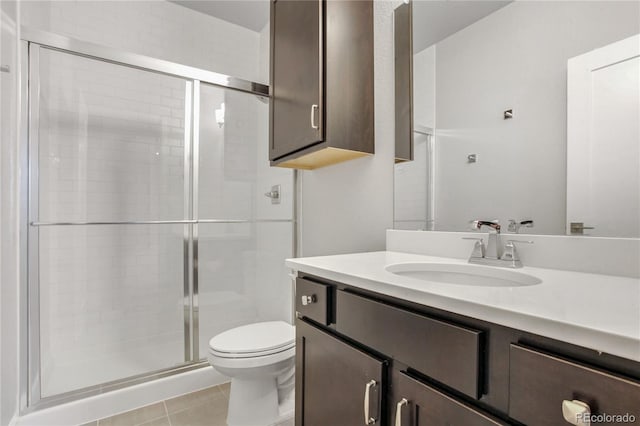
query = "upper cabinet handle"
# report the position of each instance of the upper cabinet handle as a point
(368, 419)
(314, 126)
(399, 406)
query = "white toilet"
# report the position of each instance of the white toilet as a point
(259, 358)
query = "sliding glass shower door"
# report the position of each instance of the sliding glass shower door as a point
(149, 231)
(107, 157)
(242, 236)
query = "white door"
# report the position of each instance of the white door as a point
(603, 140)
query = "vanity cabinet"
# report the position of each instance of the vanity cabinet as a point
(425, 366)
(321, 109)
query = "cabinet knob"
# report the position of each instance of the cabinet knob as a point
(307, 300)
(399, 406)
(576, 412)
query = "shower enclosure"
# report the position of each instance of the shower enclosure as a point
(148, 228)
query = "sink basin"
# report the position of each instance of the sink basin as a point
(461, 274)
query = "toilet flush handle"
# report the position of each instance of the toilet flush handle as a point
(307, 300)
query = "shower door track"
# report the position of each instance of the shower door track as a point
(145, 63)
(33, 40)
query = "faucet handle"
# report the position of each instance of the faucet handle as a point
(478, 247)
(515, 226)
(511, 254)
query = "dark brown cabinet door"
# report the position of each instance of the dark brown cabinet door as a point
(296, 75)
(414, 403)
(403, 53)
(332, 378)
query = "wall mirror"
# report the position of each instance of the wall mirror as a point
(525, 112)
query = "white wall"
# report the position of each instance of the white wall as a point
(9, 270)
(515, 58)
(348, 207)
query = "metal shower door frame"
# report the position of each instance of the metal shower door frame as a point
(32, 43)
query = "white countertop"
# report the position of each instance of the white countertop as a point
(600, 312)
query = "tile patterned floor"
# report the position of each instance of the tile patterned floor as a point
(207, 407)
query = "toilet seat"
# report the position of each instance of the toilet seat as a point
(253, 340)
(255, 354)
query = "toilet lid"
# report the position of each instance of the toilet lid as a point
(254, 338)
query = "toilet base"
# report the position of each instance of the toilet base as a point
(264, 409)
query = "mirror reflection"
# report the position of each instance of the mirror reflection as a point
(524, 112)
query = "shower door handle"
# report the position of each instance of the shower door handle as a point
(314, 126)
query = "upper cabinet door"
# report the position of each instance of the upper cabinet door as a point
(403, 61)
(296, 76)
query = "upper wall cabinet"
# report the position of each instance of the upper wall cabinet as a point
(321, 82)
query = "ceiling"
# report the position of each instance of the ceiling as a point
(435, 20)
(251, 14)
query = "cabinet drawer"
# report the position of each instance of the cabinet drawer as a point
(312, 300)
(427, 406)
(446, 352)
(539, 383)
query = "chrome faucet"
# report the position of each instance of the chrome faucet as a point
(494, 245)
(494, 254)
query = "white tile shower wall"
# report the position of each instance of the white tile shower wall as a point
(111, 141)
(515, 58)
(110, 296)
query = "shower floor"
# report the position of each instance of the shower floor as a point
(207, 407)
